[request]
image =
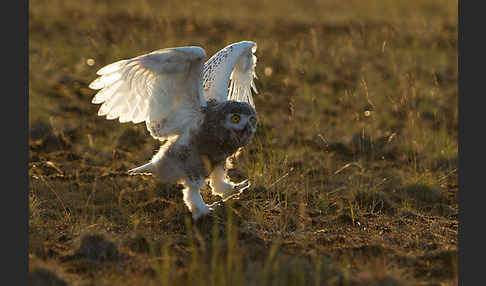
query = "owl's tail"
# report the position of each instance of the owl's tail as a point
(140, 169)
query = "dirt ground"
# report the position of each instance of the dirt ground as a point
(353, 167)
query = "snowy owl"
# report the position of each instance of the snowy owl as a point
(203, 112)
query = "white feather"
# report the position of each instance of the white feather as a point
(140, 169)
(235, 62)
(112, 67)
(163, 86)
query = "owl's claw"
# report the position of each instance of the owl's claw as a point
(215, 205)
(239, 189)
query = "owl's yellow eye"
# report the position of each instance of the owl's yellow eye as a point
(235, 118)
(252, 120)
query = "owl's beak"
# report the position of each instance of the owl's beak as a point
(241, 132)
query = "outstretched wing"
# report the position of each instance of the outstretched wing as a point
(235, 62)
(162, 88)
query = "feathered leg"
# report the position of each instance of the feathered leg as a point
(193, 198)
(222, 187)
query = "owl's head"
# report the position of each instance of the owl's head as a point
(242, 127)
(241, 120)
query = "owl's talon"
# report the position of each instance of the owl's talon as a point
(240, 186)
(239, 189)
(215, 205)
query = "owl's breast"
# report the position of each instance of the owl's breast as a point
(215, 145)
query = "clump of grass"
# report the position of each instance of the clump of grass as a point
(34, 210)
(97, 247)
(375, 202)
(377, 272)
(425, 198)
(138, 244)
(43, 277)
(423, 194)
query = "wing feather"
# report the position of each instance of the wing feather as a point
(229, 74)
(242, 80)
(162, 88)
(112, 67)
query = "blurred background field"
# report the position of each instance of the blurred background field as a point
(353, 168)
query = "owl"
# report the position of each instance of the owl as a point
(202, 112)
